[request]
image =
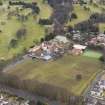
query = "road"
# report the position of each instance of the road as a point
(86, 93)
(93, 83)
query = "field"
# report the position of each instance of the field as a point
(92, 54)
(61, 73)
(83, 14)
(34, 30)
(102, 27)
(9, 29)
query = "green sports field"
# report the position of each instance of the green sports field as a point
(92, 54)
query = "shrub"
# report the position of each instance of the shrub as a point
(78, 76)
(74, 16)
(21, 33)
(1, 3)
(102, 59)
(45, 22)
(13, 43)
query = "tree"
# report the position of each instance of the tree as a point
(102, 58)
(69, 36)
(49, 37)
(78, 76)
(61, 14)
(73, 16)
(36, 10)
(87, 26)
(70, 28)
(44, 1)
(21, 33)
(22, 18)
(40, 103)
(42, 40)
(36, 41)
(86, 8)
(81, 2)
(24, 50)
(91, 1)
(13, 43)
(45, 22)
(2, 64)
(1, 3)
(95, 5)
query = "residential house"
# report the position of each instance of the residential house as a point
(50, 49)
(96, 92)
(78, 49)
(61, 39)
(102, 84)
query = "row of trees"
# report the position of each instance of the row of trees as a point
(91, 25)
(33, 5)
(45, 22)
(41, 89)
(48, 37)
(61, 14)
(98, 18)
(87, 26)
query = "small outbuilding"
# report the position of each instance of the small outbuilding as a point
(61, 39)
(78, 49)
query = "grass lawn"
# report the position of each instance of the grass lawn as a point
(92, 54)
(83, 14)
(102, 27)
(45, 9)
(34, 31)
(61, 72)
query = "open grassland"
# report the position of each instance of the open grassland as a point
(83, 14)
(102, 27)
(45, 9)
(34, 32)
(11, 26)
(61, 73)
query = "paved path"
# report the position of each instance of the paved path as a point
(15, 63)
